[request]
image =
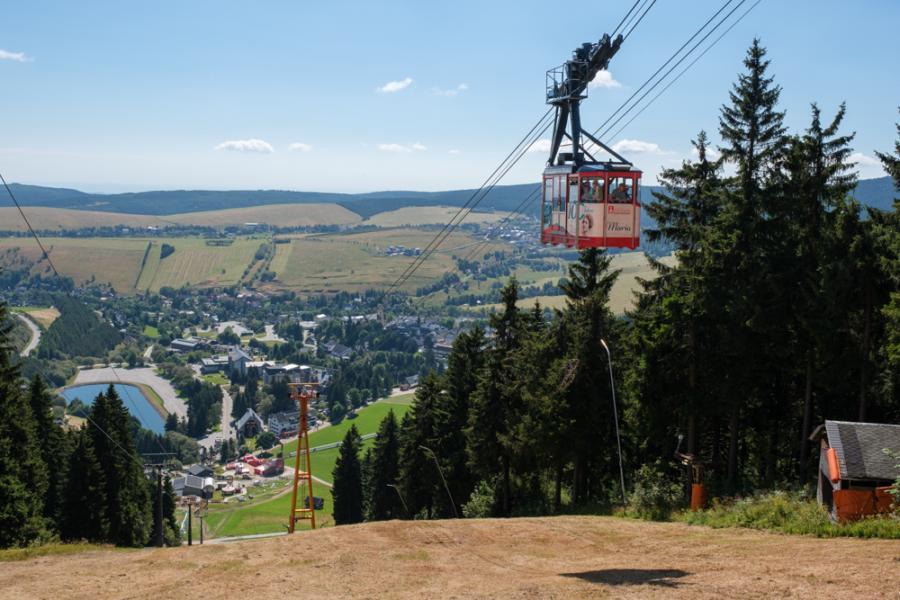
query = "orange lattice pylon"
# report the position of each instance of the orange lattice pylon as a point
(302, 393)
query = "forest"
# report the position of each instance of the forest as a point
(783, 310)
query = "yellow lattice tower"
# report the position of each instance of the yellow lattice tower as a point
(302, 393)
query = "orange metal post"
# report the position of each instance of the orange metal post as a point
(301, 393)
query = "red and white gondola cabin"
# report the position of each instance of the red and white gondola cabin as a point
(595, 207)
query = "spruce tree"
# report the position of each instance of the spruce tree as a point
(451, 413)
(84, 514)
(54, 450)
(418, 477)
(383, 503)
(171, 531)
(127, 494)
(752, 133)
(347, 491)
(23, 474)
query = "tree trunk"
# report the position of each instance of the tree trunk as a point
(802, 457)
(733, 433)
(557, 496)
(505, 486)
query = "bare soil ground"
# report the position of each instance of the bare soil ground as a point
(563, 557)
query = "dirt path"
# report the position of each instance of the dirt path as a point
(564, 557)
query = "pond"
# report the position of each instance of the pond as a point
(132, 397)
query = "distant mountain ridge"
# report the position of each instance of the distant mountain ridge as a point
(876, 193)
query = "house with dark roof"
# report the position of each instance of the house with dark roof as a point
(855, 473)
(249, 424)
(191, 485)
(199, 470)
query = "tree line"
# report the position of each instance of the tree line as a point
(782, 310)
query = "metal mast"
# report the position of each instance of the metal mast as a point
(566, 87)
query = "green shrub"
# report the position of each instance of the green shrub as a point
(788, 512)
(655, 494)
(481, 502)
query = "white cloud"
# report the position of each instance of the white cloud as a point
(542, 145)
(604, 79)
(402, 148)
(864, 161)
(637, 147)
(451, 92)
(395, 86)
(251, 145)
(299, 147)
(455, 151)
(711, 153)
(16, 56)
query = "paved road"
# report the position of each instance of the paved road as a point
(35, 335)
(145, 375)
(148, 353)
(226, 431)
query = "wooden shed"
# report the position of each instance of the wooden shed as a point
(854, 471)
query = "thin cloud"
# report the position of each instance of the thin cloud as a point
(542, 145)
(402, 148)
(451, 92)
(299, 147)
(14, 56)
(251, 145)
(863, 160)
(455, 151)
(395, 86)
(637, 147)
(604, 79)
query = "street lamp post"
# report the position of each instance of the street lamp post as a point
(612, 385)
(441, 471)
(402, 500)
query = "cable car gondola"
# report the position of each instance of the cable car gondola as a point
(586, 203)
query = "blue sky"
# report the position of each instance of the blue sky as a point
(117, 96)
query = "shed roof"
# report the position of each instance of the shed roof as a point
(860, 449)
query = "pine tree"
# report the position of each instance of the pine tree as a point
(752, 131)
(451, 413)
(383, 503)
(54, 450)
(127, 495)
(347, 491)
(23, 474)
(496, 404)
(84, 515)
(171, 531)
(418, 477)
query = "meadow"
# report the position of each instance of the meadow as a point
(356, 261)
(428, 215)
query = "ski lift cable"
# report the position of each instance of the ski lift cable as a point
(685, 70)
(671, 69)
(663, 66)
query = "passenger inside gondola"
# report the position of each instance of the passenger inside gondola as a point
(621, 194)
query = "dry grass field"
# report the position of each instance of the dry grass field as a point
(284, 215)
(561, 557)
(118, 260)
(634, 266)
(428, 215)
(355, 262)
(42, 316)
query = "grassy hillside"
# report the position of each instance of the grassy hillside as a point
(429, 215)
(355, 262)
(119, 261)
